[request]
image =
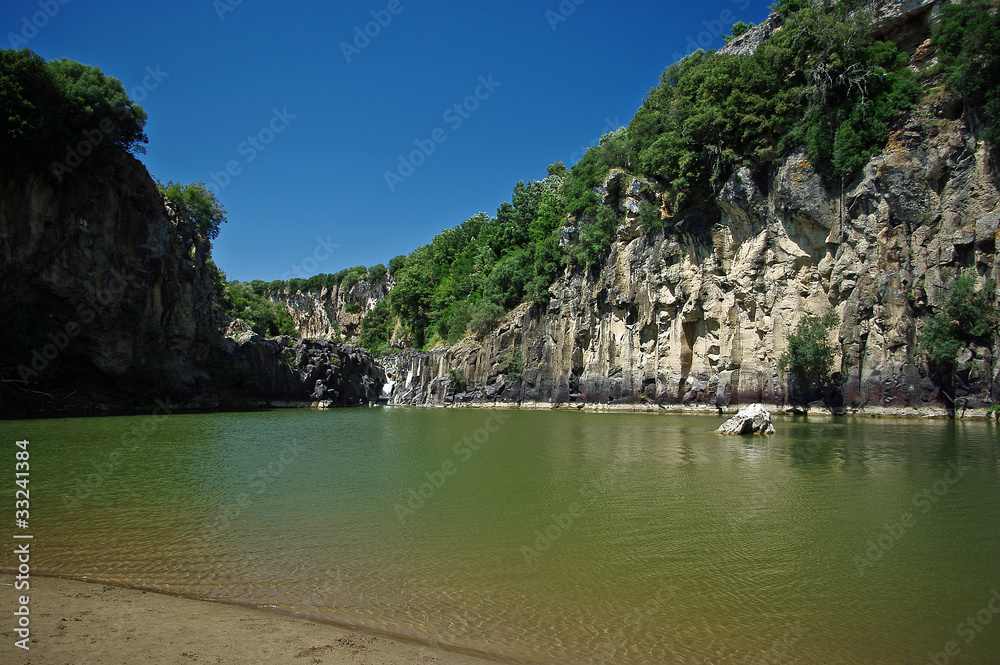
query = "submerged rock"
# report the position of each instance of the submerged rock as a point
(753, 419)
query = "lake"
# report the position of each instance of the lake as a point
(545, 536)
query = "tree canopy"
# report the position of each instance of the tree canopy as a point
(61, 114)
(198, 203)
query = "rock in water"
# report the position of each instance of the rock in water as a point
(753, 419)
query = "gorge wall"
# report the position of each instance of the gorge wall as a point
(701, 313)
(103, 289)
(109, 302)
(333, 312)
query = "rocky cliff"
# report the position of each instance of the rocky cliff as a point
(701, 313)
(314, 371)
(109, 301)
(334, 312)
(105, 292)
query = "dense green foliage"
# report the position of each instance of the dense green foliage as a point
(968, 316)
(468, 276)
(809, 357)
(822, 82)
(968, 41)
(266, 318)
(344, 279)
(58, 115)
(376, 328)
(739, 28)
(197, 203)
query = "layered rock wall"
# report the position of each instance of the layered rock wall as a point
(701, 313)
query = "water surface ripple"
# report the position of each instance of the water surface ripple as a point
(553, 537)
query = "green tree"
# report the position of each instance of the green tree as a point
(739, 28)
(556, 168)
(809, 356)
(95, 101)
(396, 264)
(823, 82)
(376, 327)
(61, 114)
(198, 203)
(264, 317)
(968, 41)
(485, 315)
(968, 316)
(650, 220)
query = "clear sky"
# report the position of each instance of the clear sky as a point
(309, 113)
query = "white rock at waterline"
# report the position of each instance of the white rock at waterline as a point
(753, 419)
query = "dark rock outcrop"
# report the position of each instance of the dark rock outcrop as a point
(105, 293)
(322, 372)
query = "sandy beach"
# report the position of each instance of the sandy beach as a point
(86, 623)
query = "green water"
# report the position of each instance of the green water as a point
(551, 537)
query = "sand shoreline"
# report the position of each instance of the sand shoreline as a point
(94, 623)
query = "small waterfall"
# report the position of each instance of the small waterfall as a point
(387, 388)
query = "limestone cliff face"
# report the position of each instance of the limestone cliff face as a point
(701, 313)
(333, 312)
(100, 280)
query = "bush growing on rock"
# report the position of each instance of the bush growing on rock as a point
(968, 316)
(810, 354)
(376, 327)
(968, 40)
(264, 317)
(199, 204)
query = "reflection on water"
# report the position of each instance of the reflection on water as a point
(551, 537)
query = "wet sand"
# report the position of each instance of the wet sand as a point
(88, 623)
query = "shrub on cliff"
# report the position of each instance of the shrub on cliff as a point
(968, 41)
(968, 316)
(264, 317)
(376, 327)
(822, 81)
(62, 114)
(809, 356)
(198, 203)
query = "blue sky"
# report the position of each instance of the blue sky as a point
(309, 104)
